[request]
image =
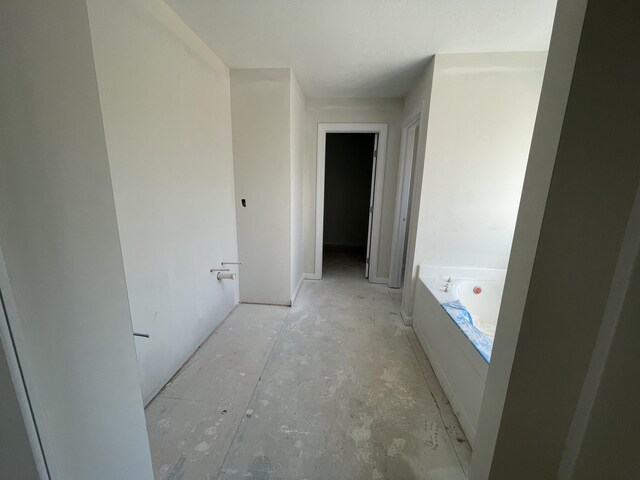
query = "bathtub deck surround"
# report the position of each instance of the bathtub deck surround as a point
(471, 297)
(454, 325)
(464, 320)
(335, 387)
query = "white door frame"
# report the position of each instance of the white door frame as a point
(324, 128)
(401, 222)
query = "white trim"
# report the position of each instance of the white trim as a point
(406, 319)
(323, 128)
(372, 197)
(380, 280)
(400, 228)
(311, 276)
(297, 289)
(456, 402)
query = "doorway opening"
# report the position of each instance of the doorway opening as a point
(350, 178)
(348, 199)
(404, 196)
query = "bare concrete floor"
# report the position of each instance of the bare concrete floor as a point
(333, 388)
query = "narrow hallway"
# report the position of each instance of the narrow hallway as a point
(334, 387)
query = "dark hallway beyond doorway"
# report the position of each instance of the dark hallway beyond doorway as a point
(348, 180)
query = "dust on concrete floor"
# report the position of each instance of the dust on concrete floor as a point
(334, 387)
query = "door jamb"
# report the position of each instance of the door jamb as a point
(323, 128)
(400, 228)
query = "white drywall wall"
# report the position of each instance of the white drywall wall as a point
(60, 242)
(297, 104)
(544, 145)
(16, 456)
(261, 117)
(588, 213)
(481, 116)
(167, 118)
(483, 108)
(352, 110)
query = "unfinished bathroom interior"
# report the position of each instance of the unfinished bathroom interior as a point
(311, 240)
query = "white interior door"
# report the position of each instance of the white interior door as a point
(371, 200)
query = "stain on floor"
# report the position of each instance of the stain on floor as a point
(334, 387)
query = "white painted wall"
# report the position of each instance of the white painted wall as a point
(59, 238)
(483, 108)
(297, 106)
(544, 145)
(261, 113)
(481, 116)
(17, 460)
(590, 234)
(352, 110)
(167, 118)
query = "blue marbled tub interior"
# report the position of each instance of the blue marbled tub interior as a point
(461, 316)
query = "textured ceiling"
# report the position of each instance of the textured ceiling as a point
(362, 48)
